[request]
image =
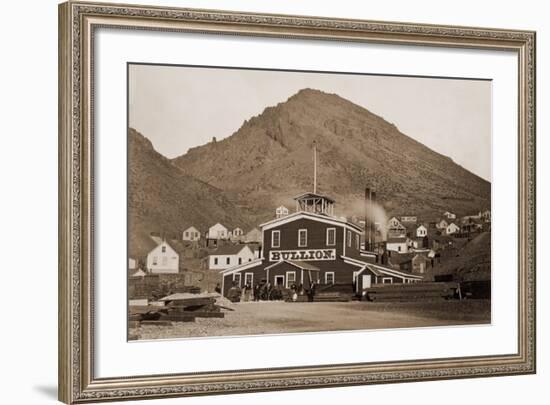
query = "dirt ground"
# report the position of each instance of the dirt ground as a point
(253, 318)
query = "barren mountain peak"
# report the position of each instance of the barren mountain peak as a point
(269, 159)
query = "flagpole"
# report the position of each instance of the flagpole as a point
(314, 167)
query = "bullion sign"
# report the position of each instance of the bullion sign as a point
(303, 255)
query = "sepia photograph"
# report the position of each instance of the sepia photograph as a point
(277, 201)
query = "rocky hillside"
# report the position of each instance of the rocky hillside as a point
(163, 199)
(269, 160)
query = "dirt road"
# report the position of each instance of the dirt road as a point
(281, 317)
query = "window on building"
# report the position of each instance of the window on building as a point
(240, 260)
(164, 260)
(329, 277)
(275, 239)
(290, 278)
(215, 260)
(249, 279)
(357, 242)
(237, 279)
(399, 248)
(349, 238)
(228, 260)
(186, 234)
(302, 237)
(331, 236)
(155, 260)
(163, 249)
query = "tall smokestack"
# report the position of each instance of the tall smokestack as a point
(372, 224)
(368, 210)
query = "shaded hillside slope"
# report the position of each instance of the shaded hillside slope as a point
(162, 199)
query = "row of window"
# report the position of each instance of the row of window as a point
(228, 260)
(193, 234)
(280, 280)
(302, 238)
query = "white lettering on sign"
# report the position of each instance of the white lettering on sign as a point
(302, 255)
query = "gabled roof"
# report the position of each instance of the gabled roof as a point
(218, 223)
(230, 249)
(392, 272)
(378, 270)
(240, 267)
(310, 215)
(313, 195)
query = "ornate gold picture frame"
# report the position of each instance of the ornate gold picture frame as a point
(78, 22)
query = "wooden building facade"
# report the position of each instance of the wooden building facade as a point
(311, 246)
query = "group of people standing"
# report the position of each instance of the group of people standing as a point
(267, 292)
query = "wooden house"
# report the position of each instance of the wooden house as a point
(411, 219)
(398, 244)
(395, 228)
(218, 231)
(442, 225)
(421, 231)
(281, 211)
(230, 256)
(416, 263)
(191, 234)
(449, 215)
(163, 259)
(237, 234)
(452, 228)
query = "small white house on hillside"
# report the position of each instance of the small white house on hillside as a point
(486, 215)
(237, 233)
(449, 215)
(191, 234)
(218, 231)
(399, 245)
(281, 211)
(228, 256)
(421, 231)
(409, 219)
(452, 228)
(163, 259)
(395, 228)
(442, 224)
(393, 222)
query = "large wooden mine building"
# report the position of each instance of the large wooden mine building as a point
(312, 245)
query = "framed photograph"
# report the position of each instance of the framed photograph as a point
(266, 202)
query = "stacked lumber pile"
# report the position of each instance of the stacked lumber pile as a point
(326, 296)
(335, 293)
(180, 307)
(412, 292)
(331, 296)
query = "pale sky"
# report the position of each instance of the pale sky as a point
(179, 107)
